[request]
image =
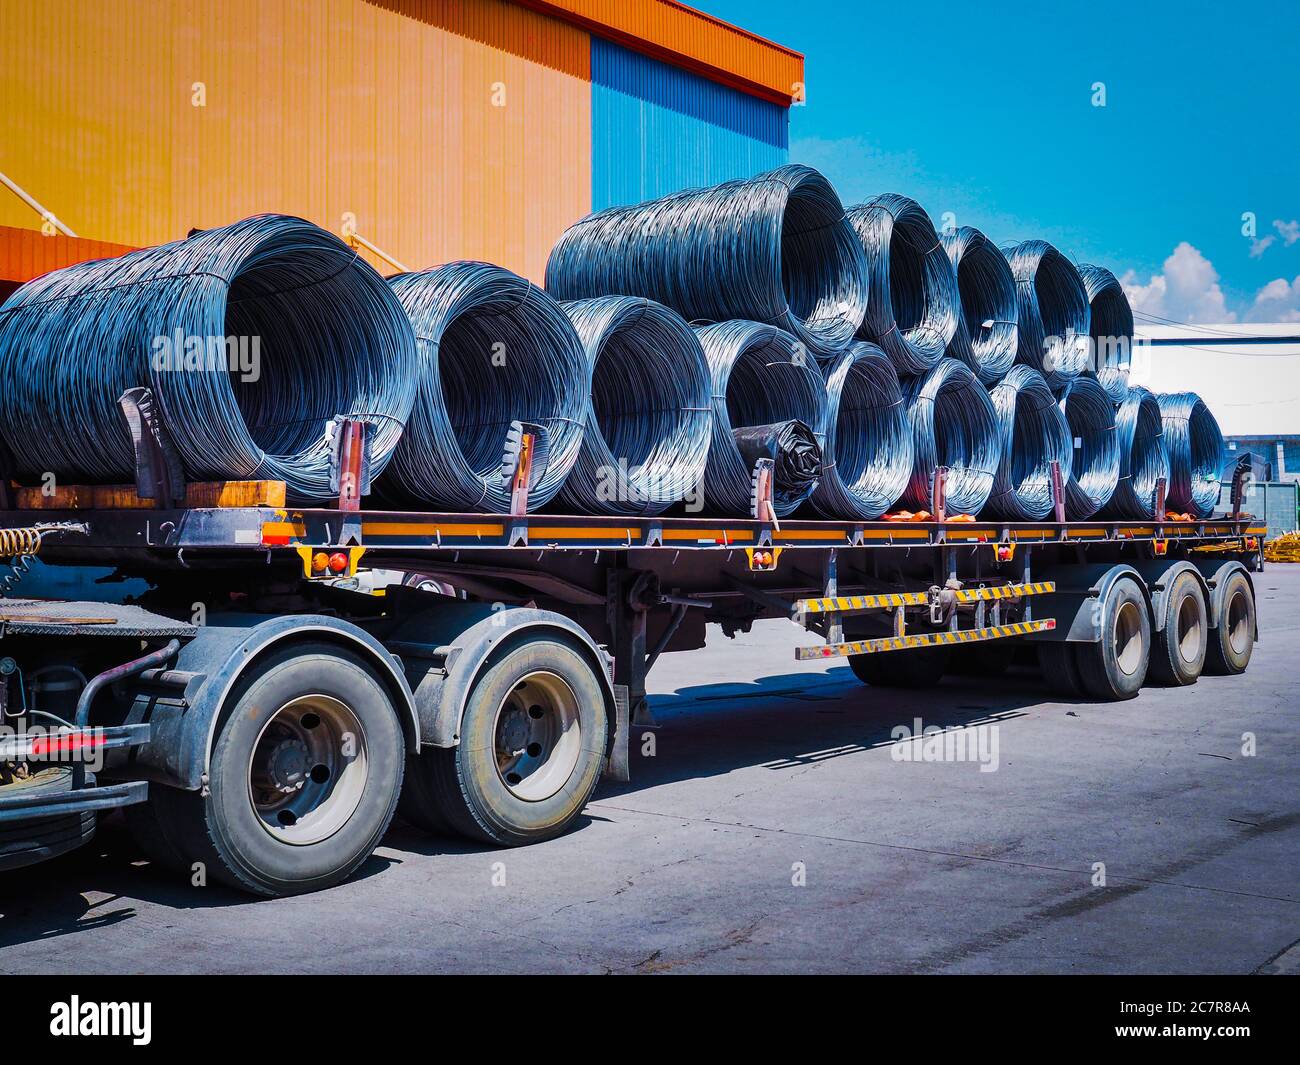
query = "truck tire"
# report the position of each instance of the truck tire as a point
(305, 774)
(28, 842)
(1233, 639)
(532, 744)
(1060, 669)
(920, 667)
(1179, 654)
(1115, 668)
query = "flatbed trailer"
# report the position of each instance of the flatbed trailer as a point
(262, 711)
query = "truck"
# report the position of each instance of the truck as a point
(264, 710)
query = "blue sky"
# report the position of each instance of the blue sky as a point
(985, 110)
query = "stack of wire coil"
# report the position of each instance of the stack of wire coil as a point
(761, 375)
(494, 349)
(1110, 328)
(985, 339)
(649, 416)
(867, 460)
(914, 307)
(1195, 453)
(1053, 312)
(253, 337)
(1034, 435)
(1143, 457)
(953, 425)
(1090, 415)
(775, 248)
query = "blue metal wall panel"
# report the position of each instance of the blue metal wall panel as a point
(657, 129)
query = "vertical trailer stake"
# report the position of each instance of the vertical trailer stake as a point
(158, 472)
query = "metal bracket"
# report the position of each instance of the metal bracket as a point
(158, 472)
(939, 494)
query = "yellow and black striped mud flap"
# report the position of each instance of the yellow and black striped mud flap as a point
(923, 639)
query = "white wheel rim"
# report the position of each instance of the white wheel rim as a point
(308, 770)
(1188, 632)
(537, 736)
(1128, 638)
(1238, 621)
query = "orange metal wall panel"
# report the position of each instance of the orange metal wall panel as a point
(377, 109)
(676, 33)
(28, 253)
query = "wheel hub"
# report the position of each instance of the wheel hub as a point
(308, 769)
(537, 738)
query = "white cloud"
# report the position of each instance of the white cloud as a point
(1278, 301)
(1187, 291)
(1259, 247)
(1289, 231)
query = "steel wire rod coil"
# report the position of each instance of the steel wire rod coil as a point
(1195, 446)
(760, 375)
(914, 307)
(1143, 457)
(1034, 435)
(650, 414)
(953, 425)
(1090, 415)
(494, 349)
(1052, 311)
(1115, 381)
(1110, 322)
(867, 459)
(986, 335)
(775, 248)
(252, 337)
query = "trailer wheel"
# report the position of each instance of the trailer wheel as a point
(1060, 668)
(532, 743)
(304, 779)
(920, 667)
(1181, 643)
(1115, 667)
(1233, 640)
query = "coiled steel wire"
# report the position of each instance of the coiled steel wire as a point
(761, 375)
(953, 425)
(1052, 312)
(649, 416)
(494, 349)
(1034, 435)
(1115, 381)
(867, 459)
(1090, 414)
(252, 336)
(985, 338)
(1143, 457)
(1110, 321)
(775, 248)
(1195, 453)
(914, 307)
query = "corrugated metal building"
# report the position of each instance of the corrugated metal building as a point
(440, 129)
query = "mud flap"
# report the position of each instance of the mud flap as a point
(616, 762)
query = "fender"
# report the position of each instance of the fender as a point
(446, 648)
(1216, 575)
(1159, 574)
(184, 720)
(1077, 602)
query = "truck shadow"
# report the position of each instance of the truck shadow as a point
(777, 722)
(785, 721)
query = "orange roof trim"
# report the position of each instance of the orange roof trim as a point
(28, 253)
(677, 34)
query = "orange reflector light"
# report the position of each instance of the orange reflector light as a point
(319, 561)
